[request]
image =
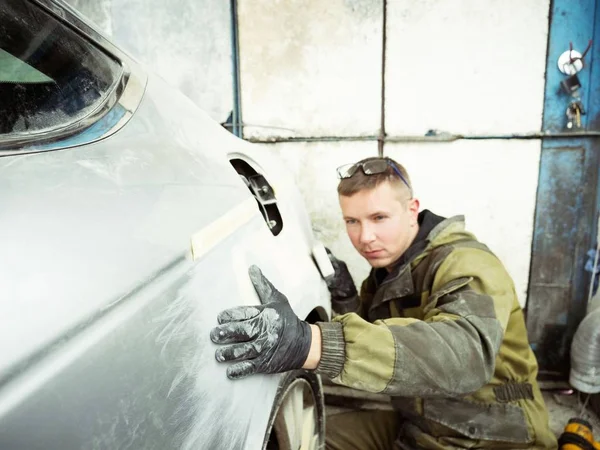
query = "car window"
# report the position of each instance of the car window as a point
(50, 76)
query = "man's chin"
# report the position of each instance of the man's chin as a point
(378, 263)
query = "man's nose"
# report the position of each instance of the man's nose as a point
(366, 234)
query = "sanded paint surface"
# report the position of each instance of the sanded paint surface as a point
(111, 313)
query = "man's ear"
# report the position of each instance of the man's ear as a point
(413, 208)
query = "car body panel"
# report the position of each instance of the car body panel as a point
(107, 306)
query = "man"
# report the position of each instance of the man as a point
(437, 327)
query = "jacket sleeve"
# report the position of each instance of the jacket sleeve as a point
(450, 352)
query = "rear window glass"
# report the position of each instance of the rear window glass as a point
(50, 76)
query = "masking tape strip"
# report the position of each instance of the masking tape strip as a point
(214, 233)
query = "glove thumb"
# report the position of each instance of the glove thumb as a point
(263, 287)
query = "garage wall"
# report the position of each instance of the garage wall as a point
(315, 71)
(310, 67)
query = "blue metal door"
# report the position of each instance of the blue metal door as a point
(568, 198)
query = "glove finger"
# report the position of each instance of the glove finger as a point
(338, 266)
(234, 332)
(238, 313)
(238, 352)
(342, 267)
(241, 370)
(265, 290)
(333, 259)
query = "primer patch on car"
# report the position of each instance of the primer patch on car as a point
(214, 233)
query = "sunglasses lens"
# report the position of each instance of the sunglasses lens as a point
(374, 167)
(347, 170)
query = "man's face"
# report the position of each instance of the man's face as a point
(381, 222)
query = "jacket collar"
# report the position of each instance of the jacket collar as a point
(430, 226)
(399, 282)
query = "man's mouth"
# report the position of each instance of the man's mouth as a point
(373, 253)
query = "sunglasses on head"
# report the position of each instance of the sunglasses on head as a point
(371, 167)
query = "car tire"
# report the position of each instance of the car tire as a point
(298, 416)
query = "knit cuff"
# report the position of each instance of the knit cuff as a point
(333, 349)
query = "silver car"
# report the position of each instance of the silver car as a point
(128, 220)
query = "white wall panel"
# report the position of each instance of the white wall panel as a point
(310, 67)
(493, 183)
(465, 66)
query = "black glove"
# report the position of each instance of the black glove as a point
(341, 286)
(267, 338)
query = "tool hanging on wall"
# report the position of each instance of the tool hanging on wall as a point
(570, 63)
(574, 112)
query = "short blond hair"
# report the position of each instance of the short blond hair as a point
(359, 181)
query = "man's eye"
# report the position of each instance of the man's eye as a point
(379, 218)
(350, 221)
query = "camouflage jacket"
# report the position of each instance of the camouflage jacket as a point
(445, 336)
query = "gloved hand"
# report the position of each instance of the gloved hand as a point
(341, 286)
(267, 338)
